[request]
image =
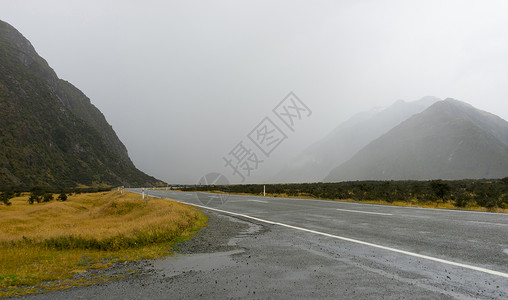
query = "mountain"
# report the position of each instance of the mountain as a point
(314, 163)
(50, 133)
(449, 140)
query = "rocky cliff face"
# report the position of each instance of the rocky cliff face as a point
(50, 133)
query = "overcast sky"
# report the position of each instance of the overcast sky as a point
(183, 82)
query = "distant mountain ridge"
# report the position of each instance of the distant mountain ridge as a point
(50, 133)
(449, 140)
(316, 162)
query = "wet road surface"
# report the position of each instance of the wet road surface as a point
(295, 248)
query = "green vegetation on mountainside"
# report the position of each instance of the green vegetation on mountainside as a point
(50, 134)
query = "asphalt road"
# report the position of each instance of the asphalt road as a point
(302, 249)
(456, 250)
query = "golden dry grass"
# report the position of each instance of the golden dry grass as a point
(53, 241)
(432, 204)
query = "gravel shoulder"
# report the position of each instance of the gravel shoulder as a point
(212, 243)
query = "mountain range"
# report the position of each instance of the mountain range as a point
(449, 140)
(50, 133)
(316, 162)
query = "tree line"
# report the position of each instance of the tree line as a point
(45, 194)
(489, 193)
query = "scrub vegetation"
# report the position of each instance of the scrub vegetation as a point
(482, 194)
(44, 244)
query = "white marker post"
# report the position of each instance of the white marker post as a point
(143, 193)
(264, 190)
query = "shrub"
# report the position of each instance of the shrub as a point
(6, 197)
(461, 200)
(62, 197)
(440, 188)
(47, 197)
(34, 197)
(504, 201)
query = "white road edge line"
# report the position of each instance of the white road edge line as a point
(364, 212)
(443, 261)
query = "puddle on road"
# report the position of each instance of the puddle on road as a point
(180, 263)
(505, 251)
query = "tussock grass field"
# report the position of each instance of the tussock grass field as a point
(55, 240)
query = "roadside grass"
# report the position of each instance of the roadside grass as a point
(431, 204)
(447, 204)
(42, 246)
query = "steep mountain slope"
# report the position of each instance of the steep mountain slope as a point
(449, 140)
(343, 142)
(50, 133)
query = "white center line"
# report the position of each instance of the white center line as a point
(236, 201)
(431, 258)
(260, 201)
(488, 223)
(364, 212)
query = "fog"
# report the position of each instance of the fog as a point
(183, 82)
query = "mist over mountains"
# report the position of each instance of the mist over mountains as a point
(50, 133)
(316, 162)
(449, 140)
